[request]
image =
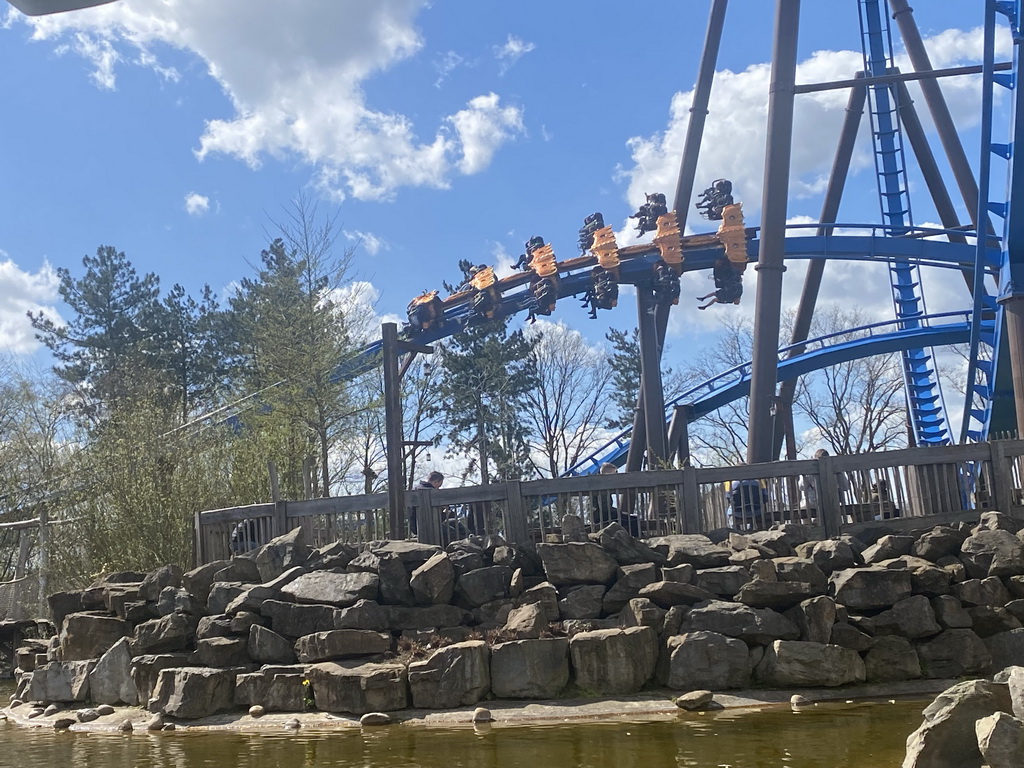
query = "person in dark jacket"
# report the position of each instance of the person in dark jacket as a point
(431, 482)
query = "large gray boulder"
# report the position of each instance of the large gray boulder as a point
(869, 589)
(545, 595)
(799, 569)
(88, 635)
(454, 676)
(725, 581)
(291, 620)
(777, 595)
(433, 582)
(60, 681)
(947, 737)
(427, 617)
(240, 569)
(616, 541)
(913, 618)
(110, 681)
(193, 692)
(987, 591)
(707, 660)
(328, 588)
(174, 632)
(987, 620)
(629, 580)
(155, 581)
(666, 594)
(794, 663)
(815, 618)
(274, 689)
(1006, 648)
(576, 563)
(832, 555)
(1015, 684)
(692, 548)
(887, 548)
(198, 580)
(614, 661)
(582, 602)
(221, 652)
(992, 553)
(358, 688)
(146, 669)
(484, 585)
(341, 644)
(950, 613)
(530, 669)
(268, 647)
(753, 625)
(954, 653)
(278, 555)
(937, 543)
(527, 622)
(223, 594)
(891, 659)
(926, 578)
(1000, 740)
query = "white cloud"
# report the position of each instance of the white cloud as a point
(367, 240)
(22, 292)
(196, 204)
(445, 65)
(512, 51)
(482, 128)
(295, 75)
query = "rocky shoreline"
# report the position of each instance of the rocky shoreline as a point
(399, 627)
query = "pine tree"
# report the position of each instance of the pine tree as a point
(625, 364)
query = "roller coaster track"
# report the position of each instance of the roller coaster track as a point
(869, 243)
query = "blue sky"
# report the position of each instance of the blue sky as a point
(178, 130)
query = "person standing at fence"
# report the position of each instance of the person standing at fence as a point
(810, 484)
(602, 503)
(431, 482)
(747, 501)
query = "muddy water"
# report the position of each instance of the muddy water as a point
(857, 735)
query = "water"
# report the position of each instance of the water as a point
(858, 735)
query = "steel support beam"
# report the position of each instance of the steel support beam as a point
(904, 16)
(681, 203)
(770, 268)
(1014, 309)
(816, 268)
(393, 431)
(899, 77)
(650, 368)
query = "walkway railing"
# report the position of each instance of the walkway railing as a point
(904, 489)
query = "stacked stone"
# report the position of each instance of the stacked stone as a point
(973, 723)
(399, 624)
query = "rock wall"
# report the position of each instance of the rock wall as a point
(398, 624)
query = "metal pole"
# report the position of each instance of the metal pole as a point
(681, 203)
(650, 367)
(926, 162)
(904, 16)
(699, 112)
(393, 430)
(765, 363)
(816, 267)
(1013, 306)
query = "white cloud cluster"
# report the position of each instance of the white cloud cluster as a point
(22, 292)
(367, 240)
(295, 75)
(512, 51)
(196, 204)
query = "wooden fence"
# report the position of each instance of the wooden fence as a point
(911, 488)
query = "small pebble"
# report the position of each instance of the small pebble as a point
(104, 709)
(375, 718)
(35, 712)
(15, 703)
(292, 724)
(169, 727)
(482, 715)
(256, 711)
(126, 726)
(156, 723)
(797, 700)
(51, 710)
(87, 715)
(63, 723)
(3, 717)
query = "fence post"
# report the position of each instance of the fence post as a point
(428, 520)
(197, 546)
(515, 524)
(280, 518)
(692, 520)
(828, 497)
(1002, 475)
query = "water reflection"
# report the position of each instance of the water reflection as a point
(853, 735)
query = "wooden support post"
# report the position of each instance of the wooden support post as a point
(692, 519)
(393, 432)
(828, 497)
(516, 529)
(1002, 477)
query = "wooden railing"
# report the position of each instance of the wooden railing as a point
(905, 489)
